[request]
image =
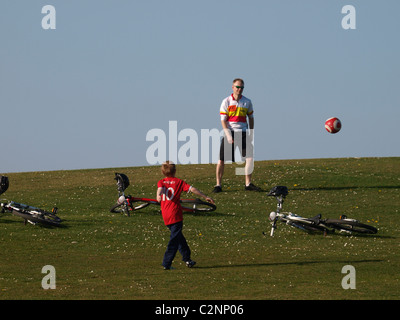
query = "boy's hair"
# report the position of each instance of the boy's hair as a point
(168, 169)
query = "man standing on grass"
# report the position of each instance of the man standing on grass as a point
(234, 112)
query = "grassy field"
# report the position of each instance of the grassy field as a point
(100, 255)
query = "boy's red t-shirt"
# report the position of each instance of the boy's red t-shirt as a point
(171, 208)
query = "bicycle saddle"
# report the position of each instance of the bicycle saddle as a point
(316, 219)
(3, 184)
(122, 181)
(278, 191)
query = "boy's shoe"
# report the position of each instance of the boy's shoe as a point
(217, 189)
(190, 263)
(252, 187)
(169, 268)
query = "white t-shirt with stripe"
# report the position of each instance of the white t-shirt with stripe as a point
(235, 112)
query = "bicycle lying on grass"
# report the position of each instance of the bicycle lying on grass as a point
(30, 214)
(314, 224)
(127, 204)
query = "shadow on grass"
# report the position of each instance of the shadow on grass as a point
(344, 188)
(157, 212)
(26, 224)
(7, 221)
(298, 263)
(235, 190)
(208, 214)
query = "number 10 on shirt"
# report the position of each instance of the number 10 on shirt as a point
(167, 194)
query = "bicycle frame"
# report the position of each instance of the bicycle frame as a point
(316, 223)
(288, 218)
(31, 214)
(126, 203)
(13, 207)
(291, 219)
(188, 205)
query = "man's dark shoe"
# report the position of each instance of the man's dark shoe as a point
(252, 187)
(217, 189)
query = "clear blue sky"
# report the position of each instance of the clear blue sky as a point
(85, 94)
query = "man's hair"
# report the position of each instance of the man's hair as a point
(168, 169)
(238, 79)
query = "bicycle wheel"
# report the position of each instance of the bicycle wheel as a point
(350, 225)
(121, 208)
(309, 227)
(197, 205)
(133, 205)
(38, 216)
(139, 203)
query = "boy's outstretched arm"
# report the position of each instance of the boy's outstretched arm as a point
(159, 191)
(201, 194)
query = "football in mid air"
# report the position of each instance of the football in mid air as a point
(333, 125)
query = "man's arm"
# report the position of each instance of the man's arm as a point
(227, 131)
(251, 122)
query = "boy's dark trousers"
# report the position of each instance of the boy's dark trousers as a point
(176, 242)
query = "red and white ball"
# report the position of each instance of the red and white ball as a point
(333, 125)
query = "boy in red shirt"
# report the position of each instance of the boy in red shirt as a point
(169, 191)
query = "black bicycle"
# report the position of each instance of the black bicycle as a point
(30, 214)
(127, 203)
(314, 224)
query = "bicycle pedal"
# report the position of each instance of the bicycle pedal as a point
(54, 210)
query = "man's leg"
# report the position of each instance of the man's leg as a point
(248, 153)
(220, 171)
(220, 167)
(248, 169)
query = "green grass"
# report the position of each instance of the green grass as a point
(100, 255)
